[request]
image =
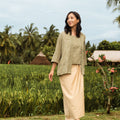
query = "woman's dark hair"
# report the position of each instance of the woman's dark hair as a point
(78, 28)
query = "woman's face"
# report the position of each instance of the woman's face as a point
(72, 20)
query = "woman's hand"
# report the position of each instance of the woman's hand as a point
(51, 75)
(52, 71)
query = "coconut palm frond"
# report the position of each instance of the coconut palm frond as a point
(117, 19)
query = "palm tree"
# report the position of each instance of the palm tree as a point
(50, 37)
(7, 47)
(113, 2)
(17, 56)
(29, 36)
(116, 5)
(49, 41)
(117, 19)
(17, 39)
(30, 42)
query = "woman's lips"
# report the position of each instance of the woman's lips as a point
(70, 23)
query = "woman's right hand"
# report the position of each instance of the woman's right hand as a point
(51, 75)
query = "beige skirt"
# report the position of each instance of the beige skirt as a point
(73, 93)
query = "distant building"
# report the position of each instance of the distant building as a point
(40, 59)
(112, 55)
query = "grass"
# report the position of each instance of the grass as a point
(114, 115)
(17, 70)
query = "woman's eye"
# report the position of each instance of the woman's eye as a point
(72, 17)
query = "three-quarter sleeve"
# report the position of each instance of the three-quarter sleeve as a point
(84, 50)
(58, 50)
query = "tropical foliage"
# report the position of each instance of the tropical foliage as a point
(26, 90)
(106, 45)
(6, 44)
(116, 5)
(108, 73)
(23, 47)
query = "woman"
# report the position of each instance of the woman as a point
(70, 57)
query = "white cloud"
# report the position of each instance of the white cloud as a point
(111, 34)
(96, 18)
(4, 15)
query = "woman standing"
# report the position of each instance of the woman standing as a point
(71, 59)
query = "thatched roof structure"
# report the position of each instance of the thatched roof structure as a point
(112, 55)
(40, 59)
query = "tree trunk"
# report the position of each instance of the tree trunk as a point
(108, 105)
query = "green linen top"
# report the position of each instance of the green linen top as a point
(69, 50)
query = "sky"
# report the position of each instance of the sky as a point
(97, 19)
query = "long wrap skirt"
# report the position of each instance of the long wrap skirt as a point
(72, 86)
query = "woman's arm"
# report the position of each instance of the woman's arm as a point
(52, 71)
(56, 56)
(58, 50)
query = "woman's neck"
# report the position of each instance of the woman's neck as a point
(73, 30)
